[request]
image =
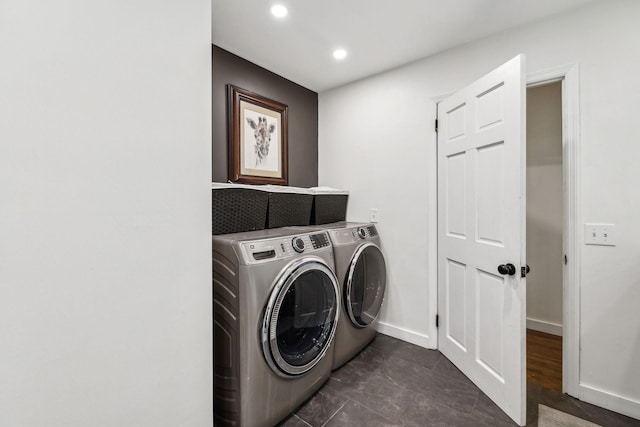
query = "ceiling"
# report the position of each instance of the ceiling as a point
(377, 34)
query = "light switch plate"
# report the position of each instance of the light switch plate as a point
(599, 234)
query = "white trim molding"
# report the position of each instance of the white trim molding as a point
(544, 326)
(408, 335)
(609, 400)
(432, 240)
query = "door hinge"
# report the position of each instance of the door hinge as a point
(565, 260)
(437, 320)
(436, 125)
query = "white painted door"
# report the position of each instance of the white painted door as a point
(481, 225)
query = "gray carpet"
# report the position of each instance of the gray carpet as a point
(549, 417)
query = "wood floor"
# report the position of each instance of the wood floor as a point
(544, 359)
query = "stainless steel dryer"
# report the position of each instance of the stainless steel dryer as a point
(275, 312)
(361, 271)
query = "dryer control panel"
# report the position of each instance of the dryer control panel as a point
(266, 250)
(353, 234)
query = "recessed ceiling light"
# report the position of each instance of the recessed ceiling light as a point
(279, 11)
(339, 53)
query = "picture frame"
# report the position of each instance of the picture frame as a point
(257, 138)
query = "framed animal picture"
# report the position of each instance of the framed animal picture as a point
(257, 138)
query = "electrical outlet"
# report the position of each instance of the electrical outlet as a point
(599, 234)
(373, 215)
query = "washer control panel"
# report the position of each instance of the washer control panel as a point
(320, 240)
(283, 247)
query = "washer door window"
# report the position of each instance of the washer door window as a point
(365, 285)
(300, 317)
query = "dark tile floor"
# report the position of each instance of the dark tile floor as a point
(394, 383)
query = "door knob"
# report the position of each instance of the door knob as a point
(524, 271)
(509, 269)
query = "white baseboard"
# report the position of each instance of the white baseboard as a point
(544, 326)
(605, 399)
(403, 334)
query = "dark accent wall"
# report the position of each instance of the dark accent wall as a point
(302, 115)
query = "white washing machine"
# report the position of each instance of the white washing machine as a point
(362, 274)
(275, 312)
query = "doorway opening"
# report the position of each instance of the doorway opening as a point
(544, 218)
(567, 76)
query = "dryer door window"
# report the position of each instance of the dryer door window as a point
(365, 285)
(300, 317)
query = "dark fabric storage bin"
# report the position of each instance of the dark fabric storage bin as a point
(329, 208)
(287, 209)
(238, 208)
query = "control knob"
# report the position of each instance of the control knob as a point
(298, 244)
(362, 233)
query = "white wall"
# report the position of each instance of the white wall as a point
(105, 164)
(544, 208)
(377, 139)
(373, 144)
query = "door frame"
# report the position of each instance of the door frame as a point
(571, 227)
